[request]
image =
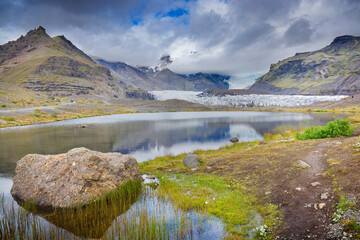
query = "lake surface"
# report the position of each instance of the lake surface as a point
(145, 136)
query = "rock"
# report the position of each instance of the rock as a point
(3, 122)
(234, 140)
(262, 143)
(302, 164)
(150, 177)
(193, 169)
(191, 160)
(82, 126)
(75, 177)
(324, 196)
(298, 188)
(321, 205)
(314, 184)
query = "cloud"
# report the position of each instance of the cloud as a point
(298, 32)
(225, 36)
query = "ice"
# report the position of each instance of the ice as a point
(252, 100)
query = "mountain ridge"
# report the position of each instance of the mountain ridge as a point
(155, 78)
(334, 69)
(36, 66)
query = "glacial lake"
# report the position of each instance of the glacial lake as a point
(146, 136)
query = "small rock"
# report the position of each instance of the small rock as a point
(82, 126)
(321, 205)
(150, 177)
(324, 195)
(191, 160)
(298, 188)
(262, 143)
(302, 164)
(234, 140)
(208, 167)
(315, 206)
(3, 122)
(314, 184)
(193, 169)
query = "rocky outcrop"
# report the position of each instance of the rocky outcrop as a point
(139, 95)
(73, 178)
(332, 70)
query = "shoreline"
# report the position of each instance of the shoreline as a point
(54, 113)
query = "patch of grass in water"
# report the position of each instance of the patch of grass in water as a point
(106, 218)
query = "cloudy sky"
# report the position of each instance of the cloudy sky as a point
(238, 37)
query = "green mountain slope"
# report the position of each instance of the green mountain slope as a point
(334, 69)
(41, 67)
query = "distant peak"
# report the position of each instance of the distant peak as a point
(41, 29)
(344, 39)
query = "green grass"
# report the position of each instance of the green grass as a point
(9, 118)
(1, 92)
(213, 194)
(336, 128)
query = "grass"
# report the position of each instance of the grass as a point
(9, 118)
(103, 219)
(226, 198)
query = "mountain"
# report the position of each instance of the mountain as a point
(156, 78)
(334, 69)
(41, 67)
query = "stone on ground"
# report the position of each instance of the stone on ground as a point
(191, 160)
(75, 177)
(302, 164)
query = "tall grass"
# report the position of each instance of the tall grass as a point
(132, 212)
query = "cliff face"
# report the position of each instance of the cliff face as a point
(164, 79)
(41, 66)
(334, 69)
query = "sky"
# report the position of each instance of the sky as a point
(236, 37)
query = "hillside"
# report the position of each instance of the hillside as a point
(149, 78)
(37, 67)
(334, 69)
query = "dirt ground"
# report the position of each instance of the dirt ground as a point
(269, 170)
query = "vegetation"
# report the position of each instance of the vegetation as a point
(336, 128)
(9, 118)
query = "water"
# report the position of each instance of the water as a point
(251, 100)
(146, 136)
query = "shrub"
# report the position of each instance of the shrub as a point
(336, 128)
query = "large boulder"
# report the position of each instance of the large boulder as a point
(73, 178)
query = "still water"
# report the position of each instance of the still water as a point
(145, 136)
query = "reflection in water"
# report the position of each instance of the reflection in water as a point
(145, 136)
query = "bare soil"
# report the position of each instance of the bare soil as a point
(270, 168)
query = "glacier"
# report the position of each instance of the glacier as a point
(251, 100)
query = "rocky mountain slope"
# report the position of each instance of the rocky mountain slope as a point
(36, 66)
(157, 78)
(334, 69)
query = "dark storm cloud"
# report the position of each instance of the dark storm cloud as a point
(228, 36)
(165, 60)
(298, 32)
